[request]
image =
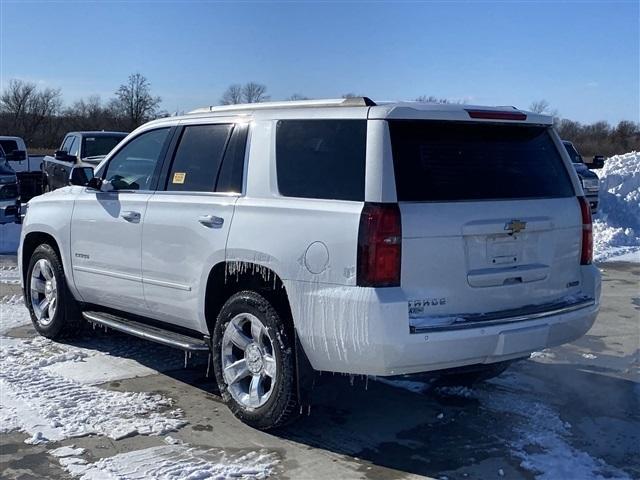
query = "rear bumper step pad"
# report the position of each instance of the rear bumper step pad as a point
(507, 316)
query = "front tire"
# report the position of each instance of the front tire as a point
(54, 312)
(253, 360)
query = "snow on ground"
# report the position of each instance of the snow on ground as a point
(13, 314)
(172, 462)
(50, 407)
(616, 229)
(40, 396)
(541, 436)
(9, 274)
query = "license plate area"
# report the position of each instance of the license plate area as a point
(504, 249)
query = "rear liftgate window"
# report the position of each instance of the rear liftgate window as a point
(439, 161)
(321, 158)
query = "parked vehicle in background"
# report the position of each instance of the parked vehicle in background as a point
(589, 179)
(326, 235)
(77, 149)
(28, 169)
(8, 191)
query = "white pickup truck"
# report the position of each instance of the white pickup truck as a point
(28, 169)
(328, 235)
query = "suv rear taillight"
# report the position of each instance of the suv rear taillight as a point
(586, 254)
(379, 245)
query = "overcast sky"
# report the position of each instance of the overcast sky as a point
(583, 57)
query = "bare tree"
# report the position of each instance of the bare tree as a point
(251, 92)
(544, 107)
(134, 101)
(297, 96)
(350, 95)
(432, 99)
(254, 92)
(92, 114)
(232, 95)
(26, 108)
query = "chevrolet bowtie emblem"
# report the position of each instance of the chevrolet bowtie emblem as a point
(515, 226)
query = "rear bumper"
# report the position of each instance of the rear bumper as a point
(366, 331)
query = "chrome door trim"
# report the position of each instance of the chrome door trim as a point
(107, 273)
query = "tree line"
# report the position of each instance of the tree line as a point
(38, 115)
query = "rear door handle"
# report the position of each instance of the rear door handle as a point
(131, 216)
(211, 221)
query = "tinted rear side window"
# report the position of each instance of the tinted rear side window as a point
(198, 157)
(321, 158)
(440, 161)
(232, 170)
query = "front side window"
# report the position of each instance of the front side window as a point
(9, 145)
(321, 158)
(66, 144)
(132, 168)
(198, 157)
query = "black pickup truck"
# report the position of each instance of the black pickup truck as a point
(590, 181)
(77, 149)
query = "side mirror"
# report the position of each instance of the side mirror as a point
(60, 155)
(81, 176)
(598, 162)
(95, 183)
(17, 156)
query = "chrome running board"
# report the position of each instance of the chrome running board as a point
(147, 332)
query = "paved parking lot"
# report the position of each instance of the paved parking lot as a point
(569, 412)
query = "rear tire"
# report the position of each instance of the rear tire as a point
(254, 362)
(54, 312)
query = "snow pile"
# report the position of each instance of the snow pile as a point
(617, 226)
(172, 462)
(51, 407)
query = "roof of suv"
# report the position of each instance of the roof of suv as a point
(365, 108)
(98, 133)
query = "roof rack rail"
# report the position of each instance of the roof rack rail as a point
(337, 102)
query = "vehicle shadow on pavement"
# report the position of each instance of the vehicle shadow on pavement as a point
(535, 414)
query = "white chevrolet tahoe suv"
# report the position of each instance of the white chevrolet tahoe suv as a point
(341, 236)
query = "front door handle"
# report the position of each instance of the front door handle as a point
(131, 216)
(211, 221)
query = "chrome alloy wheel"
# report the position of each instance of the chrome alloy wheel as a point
(248, 362)
(44, 292)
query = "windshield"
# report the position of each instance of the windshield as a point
(447, 161)
(8, 145)
(573, 153)
(5, 168)
(99, 145)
